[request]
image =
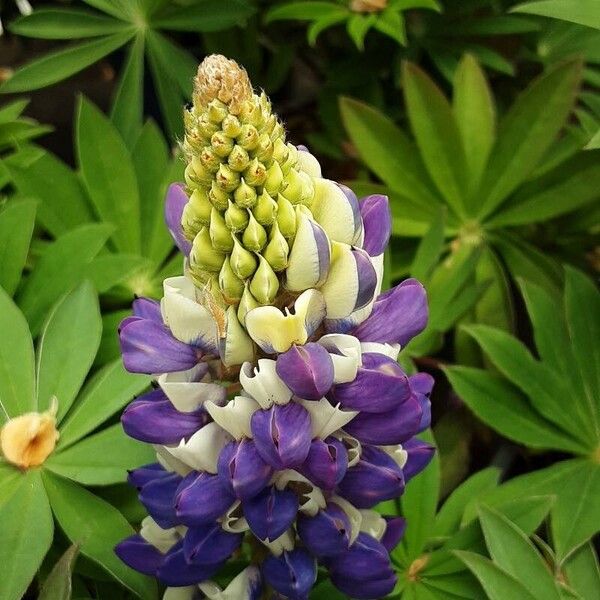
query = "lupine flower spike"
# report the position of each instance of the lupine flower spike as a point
(280, 417)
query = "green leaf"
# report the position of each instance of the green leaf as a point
(475, 115)
(388, 152)
(205, 16)
(17, 376)
(57, 585)
(512, 551)
(63, 203)
(102, 458)
(62, 266)
(391, 23)
(128, 104)
(12, 111)
(110, 270)
(16, 228)
(497, 583)
(437, 135)
(583, 12)
(109, 390)
(450, 516)
(27, 531)
(527, 131)
(67, 347)
(59, 65)
(429, 249)
(96, 527)
(358, 26)
(117, 8)
(497, 403)
(10, 480)
(582, 572)
(307, 11)
(65, 24)
(108, 173)
(419, 504)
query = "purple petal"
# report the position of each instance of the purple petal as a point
(326, 534)
(209, 544)
(138, 554)
(152, 418)
(375, 478)
(292, 574)
(271, 513)
(148, 347)
(145, 308)
(158, 497)
(419, 456)
(201, 498)
(326, 463)
(174, 205)
(367, 278)
(282, 434)
(242, 470)
(398, 315)
(421, 385)
(388, 428)
(307, 370)
(364, 571)
(380, 386)
(395, 528)
(175, 571)
(377, 221)
(138, 478)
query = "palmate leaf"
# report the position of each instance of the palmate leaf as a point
(583, 12)
(205, 16)
(306, 11)
(58, 585)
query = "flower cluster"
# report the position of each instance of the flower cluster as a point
(283, 420)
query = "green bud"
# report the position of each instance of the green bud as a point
(248, 138)
(196, 213)
(206, 127)
(203, 253)
(293, 187)
(251, 113)
(200, 277)
(231, 126)
(221, 144)
(264, 149)
(274, 179)
(200, 174)
(265, 209)
(227, 179)
(286, 217)
(255, 236)
(236, 218)
(270, 124)
(256, 173)
(219, 232)
(247, 303)
(292, 159)
(280, 151)
(277, 250)
(217, 111)
(219, 198)
(238, 159)
(231, 285)
(209, 159)
(264, 285)
(308, 188)
(242, 262)
(245, 195)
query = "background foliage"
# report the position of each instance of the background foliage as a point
(479, 118)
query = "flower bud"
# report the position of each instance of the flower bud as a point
(204, 254)
(217, 111)
(245, 195)
(219, 232)
(230, 284)
(256, 173)
(247, 303)
(200, 173)
(227, 179)
(238, 159)
(264, 285)
(236, 218)
(286, 217)
(243, 262)
(280, 151)
(218, 198)
(222, 145)
(265, 209)
(255, 236)
(264, 150)
(248, 137)
(196, 213)
(209, 159)
(231, 126)
(274, 179)
(277, 250)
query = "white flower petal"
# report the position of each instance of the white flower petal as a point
(188, 320)
(342, 286)
(398, 453)
(325, 417)
(167, 461)
(241, 587)
(391, 350)
(162, 539)
(346, 355)
(235, 347)
(275, 331)
(234, 417)
(201, 451)
(233, 521)
(373, 524)
(284, 543)
(353, 513)
(187, 394)
(180, 593)
(333, 211)
(352, 446)
(310, 497)
(309, 164)
(263, 383)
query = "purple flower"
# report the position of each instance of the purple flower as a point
(327, 533)
(292, 574)
(377, 221)
(174, 204)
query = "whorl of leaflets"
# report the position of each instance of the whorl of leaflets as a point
(278, 430)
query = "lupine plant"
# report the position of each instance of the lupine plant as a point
(281, 418)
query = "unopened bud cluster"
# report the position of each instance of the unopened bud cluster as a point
(245, 188)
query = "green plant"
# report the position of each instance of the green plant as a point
(137, 24)
(359, 16)
(495, 182)
(550, 402)
(89, 451)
